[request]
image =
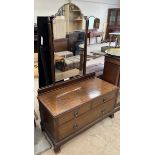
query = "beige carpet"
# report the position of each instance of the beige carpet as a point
(101, 139)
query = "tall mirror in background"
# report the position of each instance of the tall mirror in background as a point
(93, 29)
(91, 22)
(95, 58)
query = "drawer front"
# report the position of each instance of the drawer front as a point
(66, 129)
(74, 114)
(107, 107)
(104, 98)
(77, 123)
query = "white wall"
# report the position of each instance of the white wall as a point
(50, 7)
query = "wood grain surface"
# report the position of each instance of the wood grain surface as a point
(72, 96)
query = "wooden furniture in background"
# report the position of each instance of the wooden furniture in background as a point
(93, 31)
(113, 21)
(60, 44)
(59, 27)
(68, 109)
(111, 72)
(73, 16)
(116, 36)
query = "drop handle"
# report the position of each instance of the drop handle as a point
(103, 111)
(75, 126)
(104, 100)
(76, 114)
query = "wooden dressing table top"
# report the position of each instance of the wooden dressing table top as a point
(67, 98)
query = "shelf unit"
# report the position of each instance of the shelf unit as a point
(73, 16)
(113, 21)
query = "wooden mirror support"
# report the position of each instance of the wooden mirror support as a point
(44, 52)
(85, 45)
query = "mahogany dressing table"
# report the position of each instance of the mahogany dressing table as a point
(70, 107)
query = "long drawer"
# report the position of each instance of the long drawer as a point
(77, 123)
(74, 113)
(86, 107)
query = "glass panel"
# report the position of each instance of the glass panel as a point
(68, 52)
(91, 23)
(68, 65)
(118, 18)
(112, 17)
(68, 42)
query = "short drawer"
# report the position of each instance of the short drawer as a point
(104, 98)
(107, 106)
(74, 113)
(77, 123)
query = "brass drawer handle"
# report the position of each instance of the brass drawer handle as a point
(75, 126)
(76, 114)
(104, 100)
(103, 111)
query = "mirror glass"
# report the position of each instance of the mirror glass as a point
(68, 42)
(91, 22)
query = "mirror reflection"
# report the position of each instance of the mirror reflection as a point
(69, 33)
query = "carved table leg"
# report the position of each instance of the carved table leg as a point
(57, 148)
(111, 116)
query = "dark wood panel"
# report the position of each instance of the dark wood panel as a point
(111, 71)
(46, 73)
(61, 45)
(111, 74)
(115, 25)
